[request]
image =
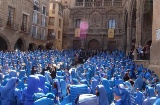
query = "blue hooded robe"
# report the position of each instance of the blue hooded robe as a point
(32, 87)
(7, 92)
(103, 98)
(109, 90)
(150, 99)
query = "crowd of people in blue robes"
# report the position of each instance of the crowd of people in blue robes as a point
(49, 78)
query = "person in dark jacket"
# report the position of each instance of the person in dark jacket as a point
(34, 71)
(53, 72)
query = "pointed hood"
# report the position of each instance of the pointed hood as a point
(103, 99)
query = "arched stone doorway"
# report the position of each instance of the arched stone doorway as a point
(41, 47)
(3, 44)
(32, 47)
(49, 46)
(76, 44)
(147, 21)
(20, 45)
(133, 24)
(125, 29)
(94, 45)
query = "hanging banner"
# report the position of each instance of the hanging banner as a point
(77, 32)
(110, 33)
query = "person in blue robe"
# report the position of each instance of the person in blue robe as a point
(139, 97)
(48, 100)
(157, 102)
(7, 92)
(138, 83)
(128, 86)
(12, 73)
(150, 99)
(42, 84)
(121, 95)
(108, 89)
(102, 95)
(32, 87)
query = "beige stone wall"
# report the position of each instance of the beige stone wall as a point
(57, 41)
(11, 35)
(155, 48)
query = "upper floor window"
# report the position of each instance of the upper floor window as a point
(44, 21)
(112, 23)
(78, 22)
(34, 31)
(36, 5)
(10, 17)
(44, 10)
(42, 33)
(51, 20)
(54, 5)
(59, 34)
(60, 11)
(24, 23)
(51, 32)
(60, 23)
(35, 17)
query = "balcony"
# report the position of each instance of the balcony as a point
(12, 25)
(98, 4)
(51, 37)
(97, 31)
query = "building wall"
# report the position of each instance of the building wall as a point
(155, 48)
(97, 20)
(11, 35)
(58, 26)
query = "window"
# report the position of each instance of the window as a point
(36, 5)
(51, 20)
(24, 23)
(54, 6)
(59, 34)
(60, 12)
(43, 21)
(78, 21)
(51, 32)
(60, 23)
(112, 23)
(35, 17)
(10, 17)
(43, 10)
(34, 31)
(42, 33)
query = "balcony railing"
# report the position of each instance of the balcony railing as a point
(50, 37)
(97, 31)
(98, 4)
(12, 25)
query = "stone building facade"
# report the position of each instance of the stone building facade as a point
(23, 24)
(97, 18)
(55, 24)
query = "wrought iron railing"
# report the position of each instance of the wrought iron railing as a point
(97, 31)
(98, 4)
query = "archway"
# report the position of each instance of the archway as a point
(147, 21)
(94, 45)
(49, 46)
(32, 47)
(3, 44)
(41, 47)
(147, 27)
(125, 29)
(76, 44)
(19, 45)
(133, 24)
